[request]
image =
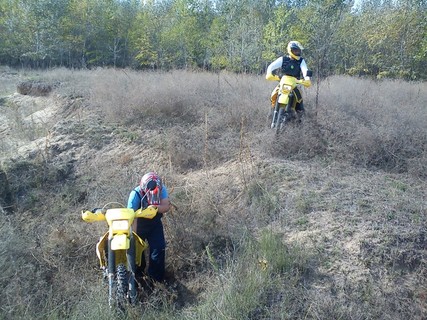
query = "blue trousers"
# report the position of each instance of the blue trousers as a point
(152, 231)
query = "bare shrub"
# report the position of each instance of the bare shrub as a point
(174, 97)
(6, 199)
(373, 124)
(248, 286)
(186, 149)
(38, 270)
(264, 226)
(298, 142)
(34, 88)
(128, 96)
(208, 111)
(7, 81)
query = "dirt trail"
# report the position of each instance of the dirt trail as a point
(25, 119)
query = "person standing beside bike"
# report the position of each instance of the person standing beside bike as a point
(292, 65)
(151, 191)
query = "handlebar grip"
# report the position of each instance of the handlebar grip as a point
(148, 213)
(90, 216)
(272, 77)
(306, 83)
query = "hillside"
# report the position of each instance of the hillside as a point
(336, 208)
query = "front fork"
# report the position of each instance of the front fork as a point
(289, 112)
(111, 271)
(275, 114)
(130, 255)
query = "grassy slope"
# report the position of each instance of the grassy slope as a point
(338, 216)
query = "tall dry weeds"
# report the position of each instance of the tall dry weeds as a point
(332, 206)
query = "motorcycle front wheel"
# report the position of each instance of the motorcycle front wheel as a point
(281, 120)
(272, 117)
(122, 285)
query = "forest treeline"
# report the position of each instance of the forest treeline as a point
(381, 38)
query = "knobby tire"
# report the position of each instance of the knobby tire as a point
(122, 285)
(280, 122)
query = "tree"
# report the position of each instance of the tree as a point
(30, 32)
(277, 33)
(235, 40)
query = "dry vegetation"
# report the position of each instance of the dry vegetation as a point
(325, 222)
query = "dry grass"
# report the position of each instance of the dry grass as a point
(376, 125)
(336, 208)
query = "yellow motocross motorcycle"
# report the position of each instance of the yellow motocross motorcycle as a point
(286, 96)
(120, 250)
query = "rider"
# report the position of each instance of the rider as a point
(151, 229)
(292, 65)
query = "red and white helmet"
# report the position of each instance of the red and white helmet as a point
(151, 187)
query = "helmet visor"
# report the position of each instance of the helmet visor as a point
(152, 192)
(151, 185)
(296, 51)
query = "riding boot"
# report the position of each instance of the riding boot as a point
(290, 113)
(156, 266)
(300, 111)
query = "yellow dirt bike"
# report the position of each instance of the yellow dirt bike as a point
(286, 99)
(119, 250)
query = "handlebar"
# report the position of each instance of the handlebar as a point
(90, 216)
(148, 213)
(100, 214)
(305, 83)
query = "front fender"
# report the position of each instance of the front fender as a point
(102, 248)
(284, 99)
(116, 243)
(120, 242)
